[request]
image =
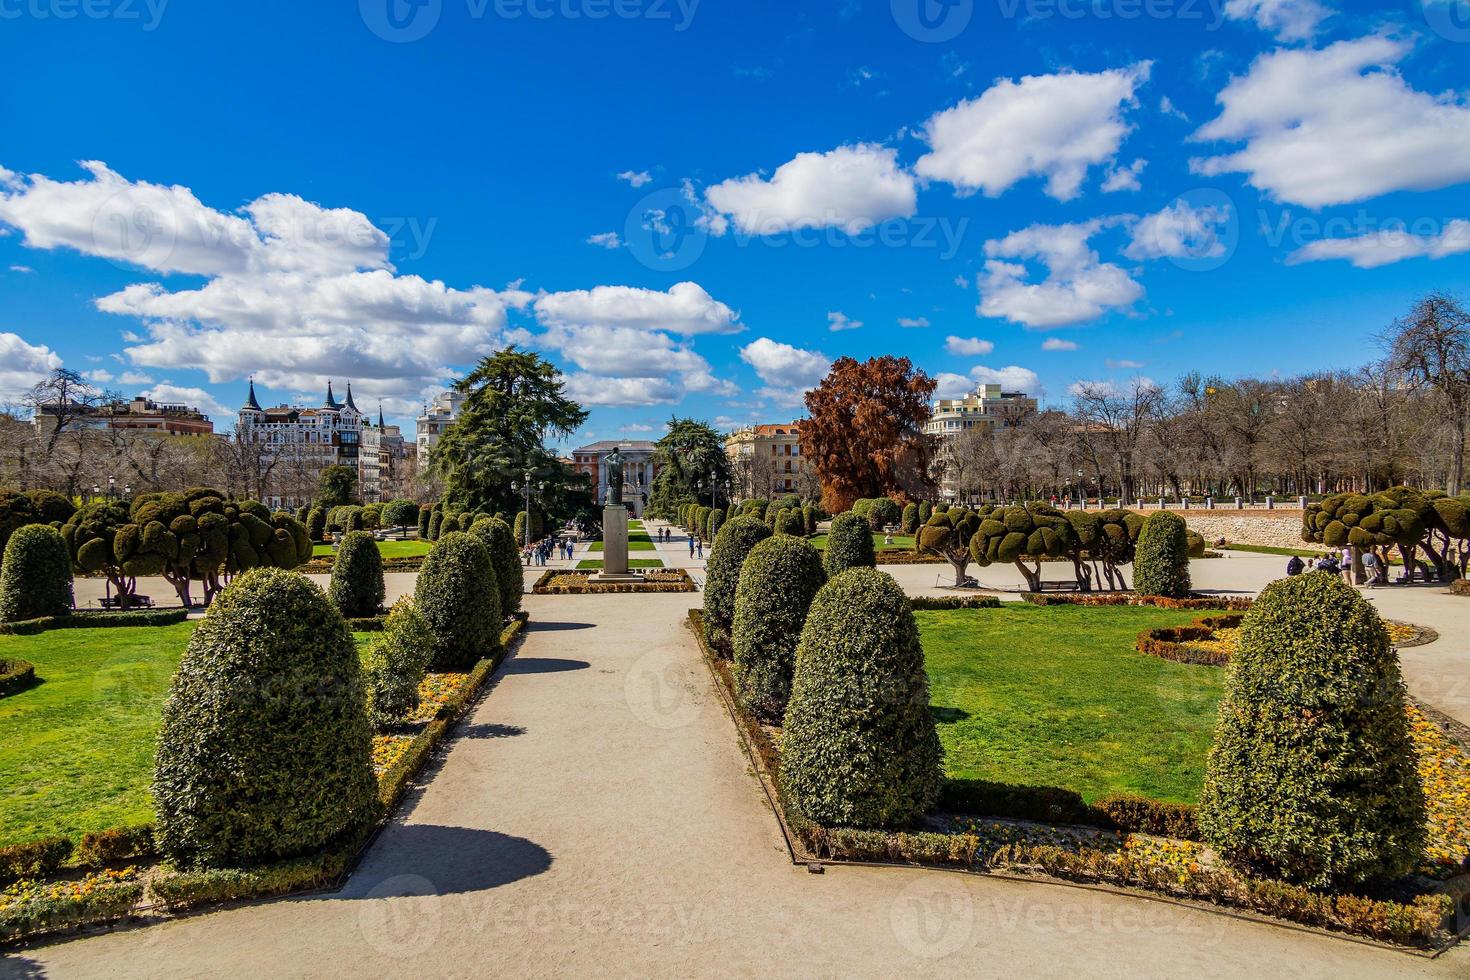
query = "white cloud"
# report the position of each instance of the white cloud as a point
(1124, 178)
(1289, 20)
(913, 322)
(21, 269)
(591, 389)
(1078, 286)
(1387, 246)
(968, 346)
(293, 292)
(1125, 364)
(685, 309)
(622, 351)
(636, 178)
(1050, 126)
(134, 378)
(951, 385)
(1012, 378)
(605, 239)
(788, 372)
(23, 365)
(1168, 108)
(1337, 125)
(838, 321)
(1057, 343)
(169, 394)
(100, 376)
(851, 188)
(1179, 231)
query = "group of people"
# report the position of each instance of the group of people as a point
(1341, 563)
(540, 552)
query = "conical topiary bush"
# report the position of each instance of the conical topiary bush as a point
(778, 581)
(849, 544)
(497, 536)
(1312, 777)
(356, 587)
(722, 576)
(264, 750)
(458, 597)
(859, 747)
(1161, 563)
(35, 578)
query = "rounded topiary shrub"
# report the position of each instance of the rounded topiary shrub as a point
(505, 558)
(356, 588)
(859, 747)
(35, 577)
(789, 522)
(352, 519)
(265, 750)
(394, 664)
(909, 523)
(426, 514)
(1312, 774)
(460, 600)
(436, 523)
(883, 512)
(722, 576)
(1161, 563)
(849, 544)
(316, 524)
(778, 581)
(713, 524)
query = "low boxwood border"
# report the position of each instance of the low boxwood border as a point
(673, 580)
(931, 602)
(1230, 603)
(95, 620)
(1417, 927)
(1173, 642)
(179, 890)
(16, 675)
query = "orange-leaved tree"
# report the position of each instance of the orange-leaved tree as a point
(864, 434)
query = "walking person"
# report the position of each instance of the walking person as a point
(699, 549)
(1375, 569)
(1345, 565)
(691, 546)
(1295, 566)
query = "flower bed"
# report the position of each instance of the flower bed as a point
(1130, 859)
(1211, 641)
(36, 909)
(553, 582)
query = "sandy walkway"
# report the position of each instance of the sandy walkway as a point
(596, 817)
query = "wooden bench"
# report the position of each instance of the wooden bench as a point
(134, 602)
(1065, 585)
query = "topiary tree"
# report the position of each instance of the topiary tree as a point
(1036, 532)
(948, 536)
(372, 517)
(722, 577)
(356, 588)
(715, 521)
(35, 578)
(778, 581)
(861, 507)
(459, 598)
(436, 523)
(789, 521)
(316, 524)
(394, 665)
(1107, 540)
(401, 514)
(859, 747)
(426, 514)
(809, 518)
(1161, 565)
(755, 507)
(1399, 517)
(926, 511)
(849, 544)
(505, 557)
(520, 527)
(1312, 775)
(19, 508)
(909, 523)
(352, 519)
(883, 512)
(265, 751)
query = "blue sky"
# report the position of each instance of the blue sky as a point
(1031, 191)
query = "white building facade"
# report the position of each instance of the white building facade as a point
(988, 406)
(431, 425)
(638, 470)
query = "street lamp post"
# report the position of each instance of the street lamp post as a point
(525, 485)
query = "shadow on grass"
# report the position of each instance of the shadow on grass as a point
(426, 859)
(948, 716)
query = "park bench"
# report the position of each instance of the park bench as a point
(1063, 585)
(134, 602)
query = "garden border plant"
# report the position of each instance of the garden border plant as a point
(1423, 927)
(654, 580)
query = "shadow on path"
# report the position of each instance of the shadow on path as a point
(425, 859)
(489, 730)
(538, 627)
(542, 665)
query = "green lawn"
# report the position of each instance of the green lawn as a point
(1057, 696)
(595, 564)
(638, 541)
(76, 750)
(901, 542)
(388, 549)
(635, 525)
(1260, 549)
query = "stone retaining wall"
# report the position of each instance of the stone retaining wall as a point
(1271, 529)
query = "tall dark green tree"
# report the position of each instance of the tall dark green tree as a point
(336, 487)
(515, 401)
(690, 454)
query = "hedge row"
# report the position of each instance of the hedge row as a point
(1173, 642)
(1234, 604)
(660, 580)
(16, 675)
(955, 602)
(95, 620)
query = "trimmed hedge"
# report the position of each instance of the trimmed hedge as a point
(33, 859)
(459, 598)
(849, 544)
(722, 576)
(395, 663)
(713, 524)
(1234, 603)
(1173, 642)
(356, 588)
(497, 536)
(35, 578)
(859, 747)
(955, 602)
(778, 581)
(1161, 565)
(1312, 776)
(95, 620)
(16, 675)
(104, 847)
(561, 582)
(909, 523)
(789, 522)
(264, 750)
(882, 512)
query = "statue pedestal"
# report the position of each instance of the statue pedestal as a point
(615, 547)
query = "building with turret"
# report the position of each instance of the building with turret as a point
(302, 441)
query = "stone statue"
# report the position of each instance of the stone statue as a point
(614, 465)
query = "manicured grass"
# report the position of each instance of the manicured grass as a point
(1058, 696)
(388, 549)
(636, 542)
(901, 542)
(595, 564)
(76, 750)
(635, 525)
(1260, 549)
